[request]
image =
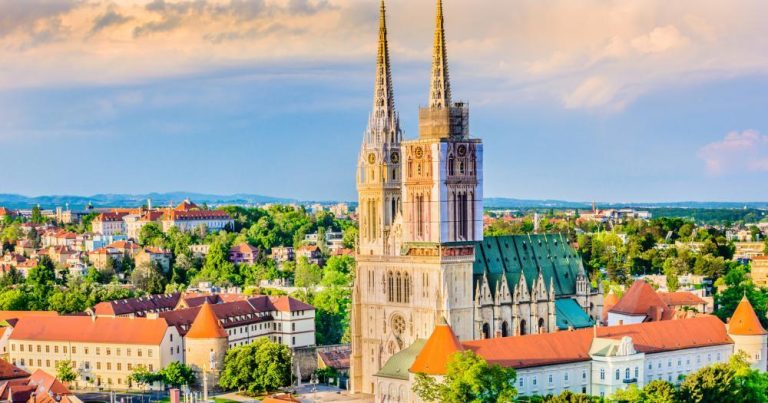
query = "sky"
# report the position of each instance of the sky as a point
(607, 100)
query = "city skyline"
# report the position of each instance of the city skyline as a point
(650, 103)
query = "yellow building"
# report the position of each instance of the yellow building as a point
(104, 351)
(760, 270)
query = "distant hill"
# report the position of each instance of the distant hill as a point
(16, 201)
(129, 200)
(500, 202)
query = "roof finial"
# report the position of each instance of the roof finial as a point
(440, 93)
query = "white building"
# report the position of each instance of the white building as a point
(597, 361)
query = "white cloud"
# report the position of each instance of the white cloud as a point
(738, 152)
(660, 40)
(593, 92)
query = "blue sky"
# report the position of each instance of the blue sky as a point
(611, 101)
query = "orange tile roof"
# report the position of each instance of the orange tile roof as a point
(573, 346)
(438, 350)
(187, 205)
(681, 298)
(642, 299)
(6, 315)
(206, 325)
(85, 329)
(744, 321)
(288, 304)
(609, 302)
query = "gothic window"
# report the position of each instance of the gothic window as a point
(504, 329)
(399, 282)
(418, 169)
(486, 331)
(461, 167)
(398, 325)
(407, 289)
(626, 373)
(394, 208)
(450, 165)
(541, 325)
(523, 327)
(420, 215)
(390, 287)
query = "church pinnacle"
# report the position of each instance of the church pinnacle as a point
(440, 93)
(384, 115)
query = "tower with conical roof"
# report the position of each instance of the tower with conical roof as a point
(206, 343)
(748, 334)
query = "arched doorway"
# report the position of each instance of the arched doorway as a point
(486, 331)
(541, 325)
(523, 329)
(504, 329)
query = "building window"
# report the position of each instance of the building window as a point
(521, 381)
(565, 377)
(650, 366)
(618, 374)
(626, 373)
(534, 381)
(602, 374)
(637, 372)
(584, 374)
(549, 378)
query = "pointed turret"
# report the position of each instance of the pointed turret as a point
(440, 90)
(441, 345)
(745, 321)
(206, 325)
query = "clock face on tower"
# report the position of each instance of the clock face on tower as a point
(462, 151)
(419, 152)
(394, 157)
(371, 158)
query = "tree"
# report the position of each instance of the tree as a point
(177, 374)
(147, 277)
(629, 395)
(151, 234)
(37, 216)
(65, 371)
(660, 391)
(259, 367)
(673, 283)
(217, 268)
(569, 397)
(738, 284)
(714, 383)
(307, 274)
(142, 376)
(469, 378)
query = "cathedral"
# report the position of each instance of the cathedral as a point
(421, 255)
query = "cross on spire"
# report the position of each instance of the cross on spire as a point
(440, 92)
(383, 95)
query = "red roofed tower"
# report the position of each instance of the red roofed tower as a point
(440, 347)
(748, 334)
(206, 343)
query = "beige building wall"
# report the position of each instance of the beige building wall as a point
(97, 364)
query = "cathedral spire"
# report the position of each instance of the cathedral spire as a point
(440, 92)
(383, 96)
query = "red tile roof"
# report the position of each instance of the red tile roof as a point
(573, 346)
(90, 330)
(437, 351)
(10, 371)
(288, 304)
(744, 321)
(187, 205)
(138, 305)
(336, 358)
(111, 216)
(608, 303)
(244, 248)
(681, 298)
(642, 299)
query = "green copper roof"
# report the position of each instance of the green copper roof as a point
(509, 256)
(569, 313)
(398, 365)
